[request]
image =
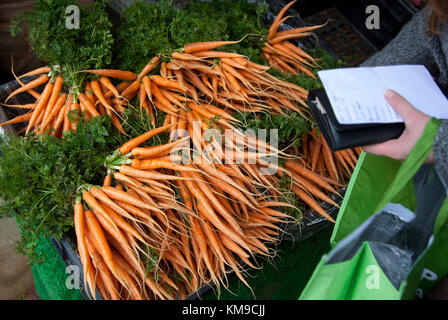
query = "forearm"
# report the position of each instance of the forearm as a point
(441, 152)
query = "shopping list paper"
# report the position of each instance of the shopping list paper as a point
(357, 94)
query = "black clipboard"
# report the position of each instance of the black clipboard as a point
(342, 136)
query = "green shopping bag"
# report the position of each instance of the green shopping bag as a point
(381, 249)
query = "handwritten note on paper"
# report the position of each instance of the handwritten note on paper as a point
(357, 94)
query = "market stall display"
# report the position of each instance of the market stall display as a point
(155, 225)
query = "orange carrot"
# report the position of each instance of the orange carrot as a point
(148, 67)
(53, 98)
(217, 54)
(99, 93)
(84, 111)
(315, 153)
(30, 85)
(329, 160)
(133, 143)
(299, 51)
(88, 105)
(36, 71)
(198, 83)
(165, 103)
(122, 224)
(172, 97)
(303, 183)
(149, 164)
(148, 174)
(41, 104)
(111, 73)
(184, 56)
(120, 87)
(21, 106)
(126, 197)
(304, 172)
(147, 83)
(32, 92)
(103, 270)
(156, 151)
(58, 121)
(352, 154)
(18, 119)
(89, 92)
(206, 197)
(67, 125)
(284, 65)
(55, 111)
(275, 25)
(142, 99)
(273, 29)
(341, 160)
(163, 82)
(163, 69)
(299, 30)
(278, 39)
(107, 181)
(80, 230)
(100, 239)
(290, 53)
(205, 46)
(311, 202)
(345, 154)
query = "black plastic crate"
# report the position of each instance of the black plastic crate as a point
(393, 16)
(345, 35)
(68, 254)
(339, 38)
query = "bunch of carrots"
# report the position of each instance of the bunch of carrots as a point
(56, 111)
(198, 75)
(195, 72)
(282, 54)
(234, 83)
(174, 223)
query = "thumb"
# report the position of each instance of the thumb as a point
(401, 105)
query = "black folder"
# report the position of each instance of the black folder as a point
(343, 136)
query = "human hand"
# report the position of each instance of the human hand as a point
(415, 122)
